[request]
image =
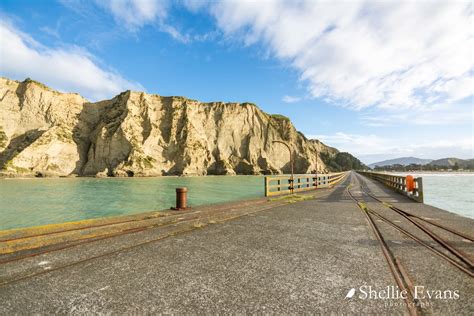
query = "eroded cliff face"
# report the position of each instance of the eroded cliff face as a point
(44, 132)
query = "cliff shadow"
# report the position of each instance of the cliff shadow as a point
(81, 135)
(18, 144)
(94, 118)
(286, 169)
(176, 148)
(166, 122)
(21, 91)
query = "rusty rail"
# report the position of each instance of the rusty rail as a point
(398, 183)
(285, 184)
(465, 265)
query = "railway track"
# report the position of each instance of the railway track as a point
(212, 215)
(443, 248)
(112, 223)
(229, 213)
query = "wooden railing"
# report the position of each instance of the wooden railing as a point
(284, 184)
(398, 183)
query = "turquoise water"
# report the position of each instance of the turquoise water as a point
(453, 192)
(30, 202)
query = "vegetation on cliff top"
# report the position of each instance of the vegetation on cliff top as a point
(279, 117)
(42, 85)
(342, 161)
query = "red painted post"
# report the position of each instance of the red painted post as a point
(410, 183)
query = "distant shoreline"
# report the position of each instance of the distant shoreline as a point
(429, 171)
(135, 177)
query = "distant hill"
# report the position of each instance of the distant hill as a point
(451, 162)
(411, 163)
(404, 161)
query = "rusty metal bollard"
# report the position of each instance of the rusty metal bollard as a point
(181, 198)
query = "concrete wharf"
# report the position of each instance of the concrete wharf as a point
(352, 248)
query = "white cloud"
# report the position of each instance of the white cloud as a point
(174, 33)
(290, 99)
(390, 54)
(354, 143)
(372, 148)
(194, 5)
(134, 14)
(50, 31)
(69, 69)
(438, 114)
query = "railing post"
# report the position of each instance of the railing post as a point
(266, 186)
(419, 182)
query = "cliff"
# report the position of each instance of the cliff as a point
(47, 133)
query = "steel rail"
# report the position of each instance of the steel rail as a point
(392, 262)
(109, 224)
(448, 229)
(124, 248)
(71, 229)
(459, 254)
(115, 234)
(420, 241)
(467, 270)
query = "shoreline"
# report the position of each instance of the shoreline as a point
(427, 172)
(139, 177)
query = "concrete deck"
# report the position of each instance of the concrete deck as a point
(271, 257)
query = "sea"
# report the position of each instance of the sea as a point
(450, 191)
(39, 201)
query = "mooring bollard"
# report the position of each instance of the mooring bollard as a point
(181, 197)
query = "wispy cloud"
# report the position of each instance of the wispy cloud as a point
(438, 114)
(290, 99)
(50, 31)
(65, 68)
(175, 34)
(355, 143)
(372, 148)
(359, 54)
(134, 14)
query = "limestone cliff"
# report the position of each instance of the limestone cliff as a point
(48, 133)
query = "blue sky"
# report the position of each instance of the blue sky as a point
(378, 79)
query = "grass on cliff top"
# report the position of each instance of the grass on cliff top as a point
(279, 117)
(27, 80)
(292, 198)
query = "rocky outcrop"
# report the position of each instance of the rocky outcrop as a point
(47, 133)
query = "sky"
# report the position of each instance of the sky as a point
(379, 79)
